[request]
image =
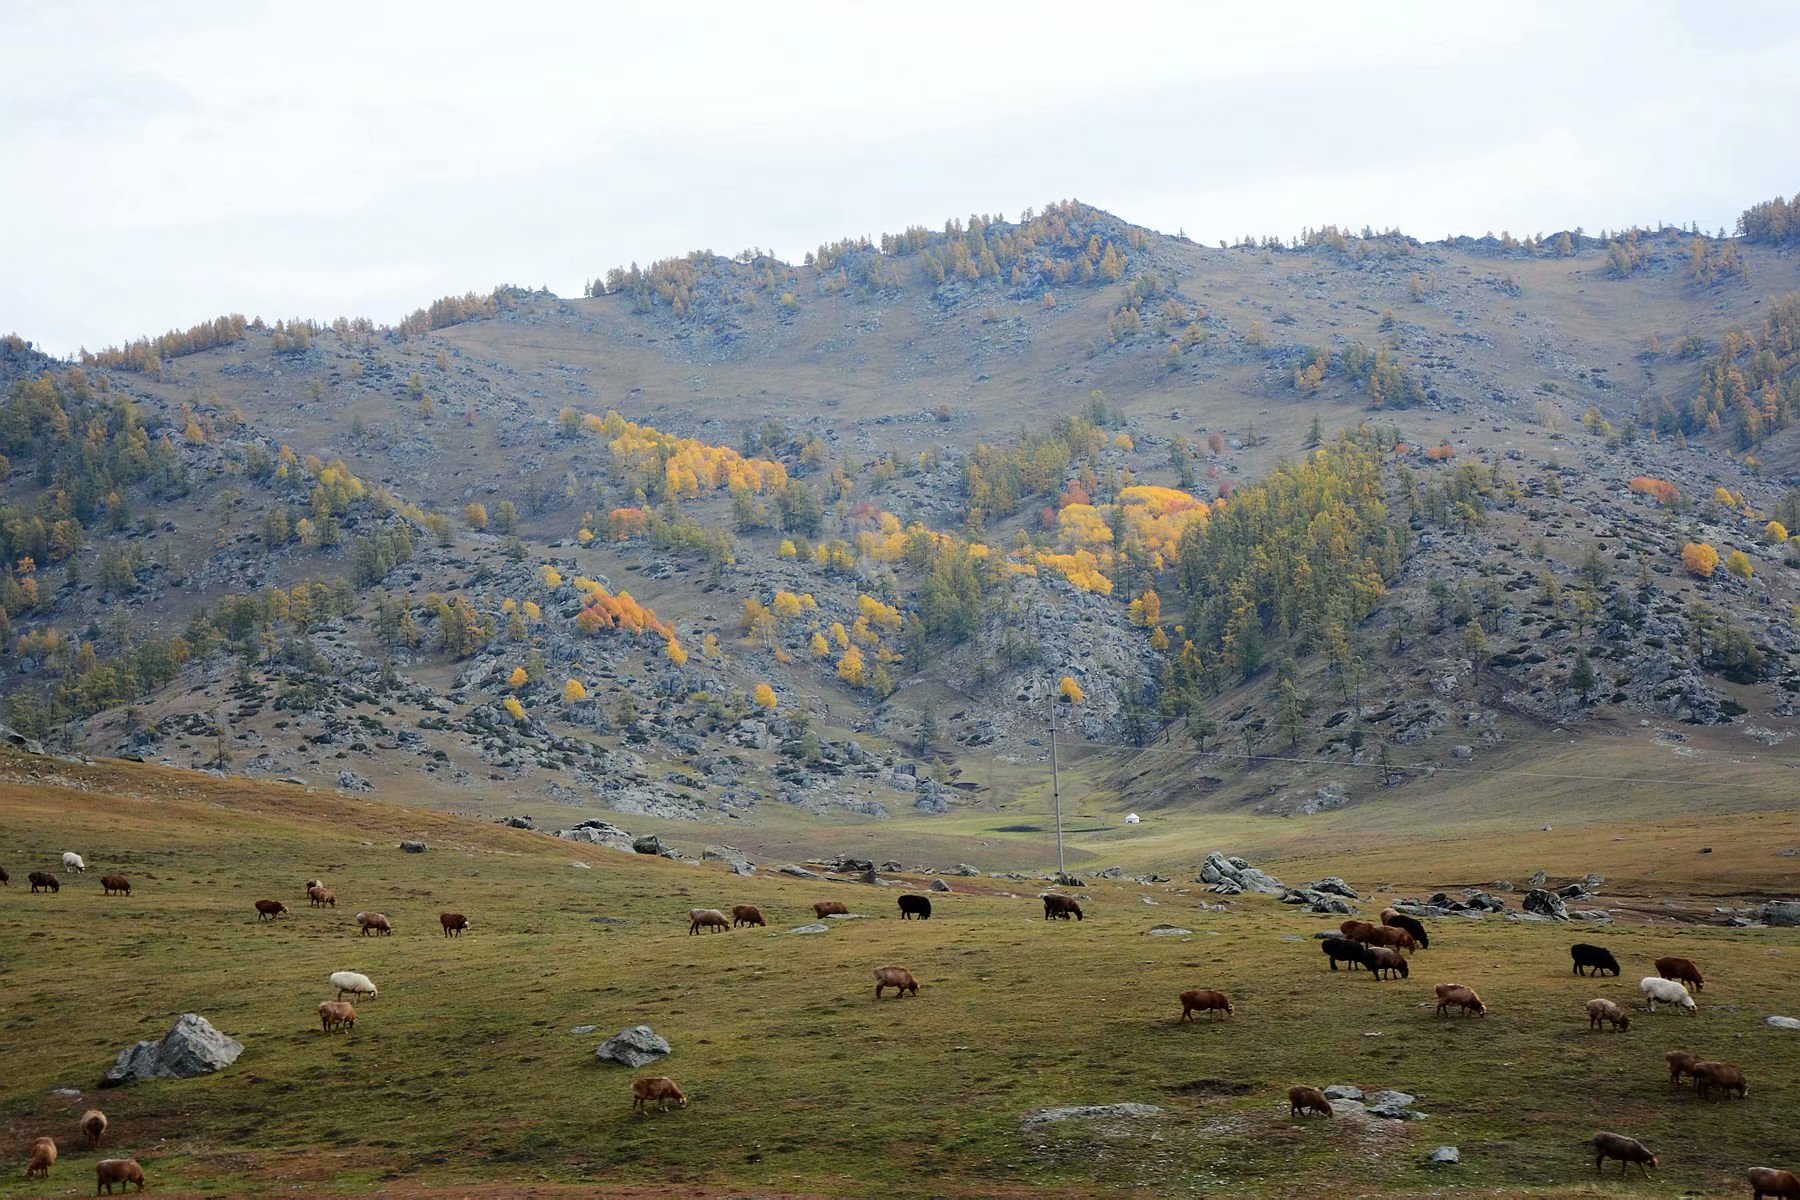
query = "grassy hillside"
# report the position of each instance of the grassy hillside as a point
(464, 1078)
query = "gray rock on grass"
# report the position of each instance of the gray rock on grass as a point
(636, 1047)
(193, 1047)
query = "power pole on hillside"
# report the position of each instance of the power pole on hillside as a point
(1055, 789)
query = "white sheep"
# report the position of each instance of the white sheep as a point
(1666, 990)
(72, 861)
(350, 981)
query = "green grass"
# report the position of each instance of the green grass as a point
(464, 1075)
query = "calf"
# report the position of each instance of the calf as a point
(707, 918)
(268, 910)
(1784, 1185)
(826, 908)
(1205, 1000)
(116, 884)
(121, 1171)
(915, 906)
(1302, 1100)
(1455, 995)
(1599, 1011)
(44, 881)
(659, 1088)
(1061, 907)
(1682, 970)
(898, 978)
(1596, 958)
(1727, 1077)
(1626, 1150)
(747, 914)
(455, 924)
(335, 1015)
(1382, 959)
(1339, 949)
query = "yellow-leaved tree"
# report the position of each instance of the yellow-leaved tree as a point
(1699, 559)
(574, 690)
(514, 709)
(851, 668)
(519, 678)
(764, 696)
(1738, 563)
(1070, 690)
(476, 515)
(820, 647)
(676, 654)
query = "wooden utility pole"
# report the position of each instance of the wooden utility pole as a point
(1055, 789)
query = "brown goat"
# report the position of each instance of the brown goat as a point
(1680, 1063)
(707, 918)
(1725, 1076)
(1605, 1010)
(1456, 995)
(374, 923)
(1626, 1150)
(898, 978)
(826, 908)
(45, 881)
(659, 1088)
(455, 924)
(1205, 1000)
(121, 1171)
(1302, 1100)
(268, 910)
(1764, 1181)
(747, 914)
(43, 1157)
(116, 883)
(1682, 970)
(93, 1125)
(335, 1015)
(321, 896)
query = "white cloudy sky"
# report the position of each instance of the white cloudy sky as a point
(166, 163)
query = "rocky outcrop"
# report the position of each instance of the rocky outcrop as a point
(193, 1047)
(1230, 875)
(638, 1046)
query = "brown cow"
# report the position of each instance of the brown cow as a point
(1303, 1099)
(454, 924)
(116, 883)
(1681, 970)
(268, 910)
(1205, 1000)
(321, 896)
(747, 914)
(826, 908)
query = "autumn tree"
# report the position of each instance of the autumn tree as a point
(764, 697)
(1699, 559)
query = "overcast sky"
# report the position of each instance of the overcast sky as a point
(167, 163)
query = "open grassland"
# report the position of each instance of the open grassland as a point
(464, 1078)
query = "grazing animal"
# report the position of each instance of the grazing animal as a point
(355, 984)
(707, 918)
(1061, 907)
(93, 1124)
(1765, 1181)
(5, 879)
(268, 910)
(72, 862)
(826, 908)
(659, 1088)
(1596, 958)
(43, 1157)
(1302, 1100)
(116, 883)
(1412, 925)
(313, 883)
(1605, 1010)
(335, 1015)
(1344, 950)
(1626, 1150)
(915, 906)
(455, 924)
(747, 914)
(45, 881)
(321, 896)
(1725, 1076)
(898, 978)
(1666, 990)
(1455, 995)
(1205, 1000)
(1371, 934)
(1383, 958)
(375, 923)
(1680, 1063)
(121, 1171)
(1358, 931)
(1682, 970)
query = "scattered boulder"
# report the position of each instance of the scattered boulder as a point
(193, 1047)
(636, 1047)
(1545, 904)
(1082, 1112)
(413, 846)
(1218, 870)
(962, 869)
(938, 885)
(1393, 1106)
(1444, 1156)
(1336, 886)
(579, 1030)
(1781, 912)
(598, 833)
(1781, 1022)
(1170, 931)
(1343, 1091)
(731, 856)
(798, 872)
(517, 822)
(816, 927)
(350, 781)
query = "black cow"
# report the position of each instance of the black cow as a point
(915, 906)
(1597, 957)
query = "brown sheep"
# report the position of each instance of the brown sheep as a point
(1680, 1063)
(1764, 1181)
(707, 918)
(1456, 995)
(1302, 1100)
(268, 910)
(93, 1125)
(1061, 907)
(121, 1171)
(321, 896)
(826, 908)
(1605, 1010)
(1395, 936)
(374, 923)
(455, 924)
(1412, 925)
(659, 1088)
(898, 978)
(1382, 958)
(43, 1157)
(1207, 1001)
(1359, 931)
(1725, 1076)
(747, 914)
(1682, 970)
(1626, 1150)
(116, 883)
(335, 1015)
(45, 881)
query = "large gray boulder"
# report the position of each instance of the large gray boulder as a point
(192, 1048)
(1781, 912)
(1226, 874)
(636, 1047)
(1781, 1022)
(798, 872)
(1395, 1106)
(731, 856)
(598, 833)
(1545, 904)
(1336, 886)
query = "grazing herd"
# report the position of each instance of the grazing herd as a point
(107, 1172)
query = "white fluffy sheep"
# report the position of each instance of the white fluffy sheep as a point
(350, 981)
(72, 861)
(1666, 990)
